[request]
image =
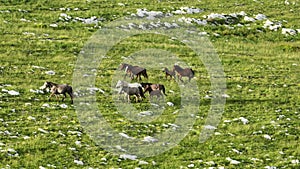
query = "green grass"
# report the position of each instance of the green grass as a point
(262, 78)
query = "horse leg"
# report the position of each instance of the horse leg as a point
(180, 78)
(64, 97)
(50, 96)
(128, 98)
(71, 95)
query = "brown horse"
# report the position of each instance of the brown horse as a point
(188, 72)
(151, 86)
(169, 73)
(57, 89)
(134, 71)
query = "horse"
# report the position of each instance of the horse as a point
(156, 93)
(136, 91)
(183, 72)
(126, 88)
(57, 89)
(169, 73)
(133, 71)
(153, 86)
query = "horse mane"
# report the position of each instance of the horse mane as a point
(192, 71)
(52, 83)
(177, 66)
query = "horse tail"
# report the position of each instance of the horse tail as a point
(71, 93)
(145, 74)
(193, 72)
(163, 89)
(141, 92)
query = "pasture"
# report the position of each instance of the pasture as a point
(258, 43)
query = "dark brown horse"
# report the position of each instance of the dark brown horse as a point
(188, 72)
(152, 86)
(57, 89)
(134, 71)
(169, 73)
(136, 91)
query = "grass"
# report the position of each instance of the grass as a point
(262, 75)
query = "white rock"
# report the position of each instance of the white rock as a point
(4, 90)
(210, 127)
(128, 156)
(143, 162)
(78, 162)
(36, 91)
(31, 118)
(287, 31)
(191, 166)
(295, 161)
(43, 131)
(54, 25)
(232, 161)
(207, 97)
(225, 95)
(244, 120)
(249, 19)
(78, 142)
(266, 136)
(26, 137)
(45, 105)
(170, 104)
(260, 17)
(150, 139)
(270, 167)
(13, 93)
(125, 135)
(64, 106)
(28, 104)
(50, 72)
(146, 113)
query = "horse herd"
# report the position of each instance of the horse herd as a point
(129, 89)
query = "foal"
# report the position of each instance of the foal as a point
(57, 89)
(156, 93)
(169, 73)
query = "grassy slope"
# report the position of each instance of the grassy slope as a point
(262, 63)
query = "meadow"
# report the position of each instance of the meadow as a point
(258, 43)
